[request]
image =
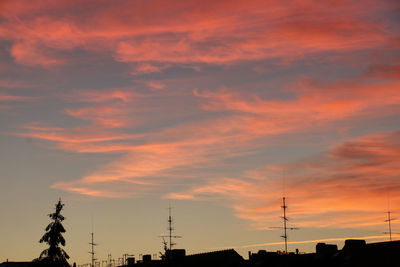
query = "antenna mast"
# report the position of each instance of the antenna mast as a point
(170, 232)
(389, 221)
(92, 252)
(171, 229)
(285, 220)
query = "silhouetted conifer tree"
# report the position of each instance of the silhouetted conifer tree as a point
(163, 256)
(54, 255)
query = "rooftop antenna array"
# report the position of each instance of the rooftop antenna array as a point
(170, 232)
(285, 227)
(92, 245)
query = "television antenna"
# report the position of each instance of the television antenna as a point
(285, 227)
(170, 236)
(389, 221)
(92, 252)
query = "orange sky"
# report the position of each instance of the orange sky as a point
(220, 107)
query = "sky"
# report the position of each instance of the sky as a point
(217, 108)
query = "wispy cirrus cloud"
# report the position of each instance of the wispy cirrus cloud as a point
(15, 98)
(329, 190)
(95, 96)
(216, 33)
(108, 108)
(146, 68)
(212, 101)
(150, 159)
(6, 83)
(309, 105)
(156, 85)
(163, 140)
(391, 71)
(33, 54)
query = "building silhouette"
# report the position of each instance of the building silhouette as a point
(355, 253)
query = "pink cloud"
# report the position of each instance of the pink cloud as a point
(95, 96)
(345, 187)
(162, 152)
(140, 171)
(108, 108)
(108, 116)
(384, 71)
(191, 33)
(182, 152)
(86, 139)
(146, 68)
(31, 54)
(14, 84)
(156, 85)
(311, 104)
(82, 190)
(14, 98)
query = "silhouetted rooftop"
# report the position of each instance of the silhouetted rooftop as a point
(222, 258)
(17, 264)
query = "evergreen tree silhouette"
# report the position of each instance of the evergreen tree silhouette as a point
(54, 255)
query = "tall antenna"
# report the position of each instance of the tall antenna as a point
(285, 220)
(171, 229)
(92, 252)
(389, 220)
(92, 244)
(170, 232)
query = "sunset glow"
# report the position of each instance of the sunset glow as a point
(218, 107)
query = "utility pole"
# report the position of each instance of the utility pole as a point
(285, 228)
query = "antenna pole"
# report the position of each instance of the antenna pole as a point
(284, 223)
(92, 252)
(170, 235)
(170, 227)
(389, 220)
(285, 227)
